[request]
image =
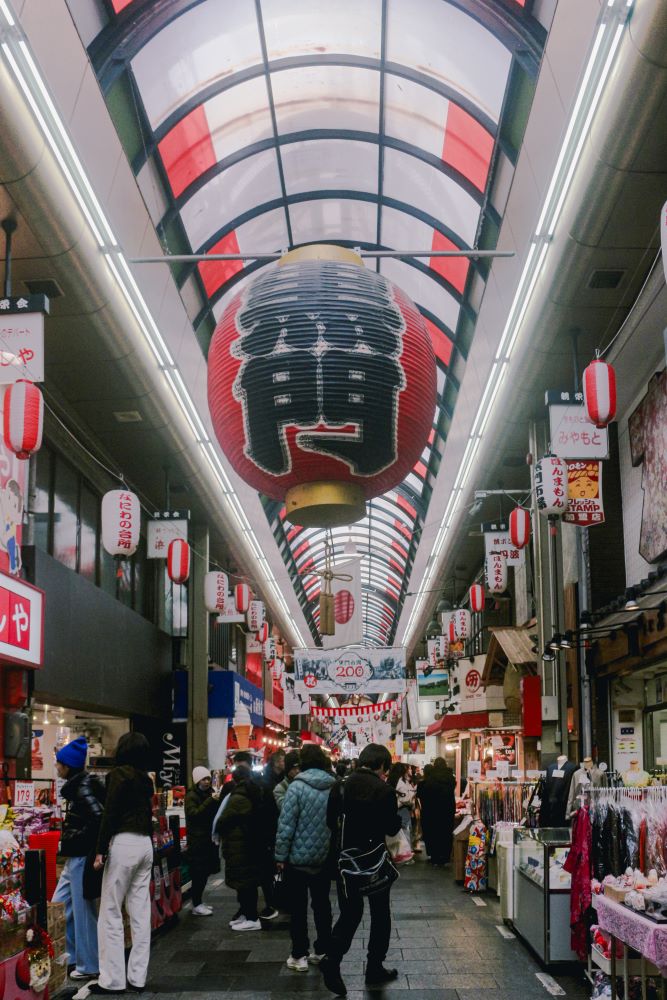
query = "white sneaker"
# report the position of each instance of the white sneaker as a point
(297, 964)
(236, 920)
(247, 925)
(315, 959)
(202, 910)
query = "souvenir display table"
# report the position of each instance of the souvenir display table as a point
(633, 930)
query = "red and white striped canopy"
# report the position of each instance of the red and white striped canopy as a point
(600, 393)
(23, 418)
(178, 560)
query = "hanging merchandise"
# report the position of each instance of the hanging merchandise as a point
(255, 617)
(23, 418)
(520, 527)
(351, 351)
(476, 598)
(600, 393)
(178, 560)
(215, 592)
(495, 569)
(475, 870)
(551, 485)
(242, 597)
(121, 522)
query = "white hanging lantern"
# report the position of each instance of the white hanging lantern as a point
(215, 592)
(121, 522)
(461, 619)
(262, 632)
(551, 485)
(242, 597)
(496, 573)
(178, 560)
(476, 598)
(23, 419)
(600, 393)
(520, 527)
(255, 616)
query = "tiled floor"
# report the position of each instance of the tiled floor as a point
(444, 946)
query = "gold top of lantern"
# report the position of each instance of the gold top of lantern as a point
(325, 505)
(321, 251)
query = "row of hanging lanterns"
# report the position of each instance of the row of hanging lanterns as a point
(121, 530)
(217, 601)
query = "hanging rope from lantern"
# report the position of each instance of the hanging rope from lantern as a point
(327, 576)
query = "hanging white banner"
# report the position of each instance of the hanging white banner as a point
(498, 540)
(350, 671)
(347, 606)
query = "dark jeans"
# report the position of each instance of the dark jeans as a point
(248, 902)
(299, 884)
(199, 878)
(351, 912)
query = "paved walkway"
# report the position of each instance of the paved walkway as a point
(444, 946)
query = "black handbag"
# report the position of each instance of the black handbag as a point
(92, 878)
(281, 899)
(365, 873)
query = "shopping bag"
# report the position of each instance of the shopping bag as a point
(281, 891)
(399, 848)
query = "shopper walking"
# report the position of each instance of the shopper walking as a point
(364, 810)
(84, 796)
(405, 794)
(292, 762)
(203, 857)
(438, 807)
(243, 846)
(272, 776)
(302, 846)
(125, 850)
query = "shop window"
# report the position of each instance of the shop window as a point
(40, 502)
(88, 533)
(65, 514)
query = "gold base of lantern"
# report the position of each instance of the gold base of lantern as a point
(325, 505)
(321, 251)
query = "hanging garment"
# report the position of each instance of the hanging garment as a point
(475, 871)
(578, 864)
(556, 792)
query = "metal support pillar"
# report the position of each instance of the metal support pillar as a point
(584, 596)
(198, 652)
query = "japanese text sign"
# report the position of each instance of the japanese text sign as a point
(584, 490)
(571, 432)
(21, 343)
(162, 530)
(21, 622)
(497, 539)
(24, 794)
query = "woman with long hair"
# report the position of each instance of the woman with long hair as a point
(405, 795)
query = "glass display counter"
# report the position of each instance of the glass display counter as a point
(542, 892)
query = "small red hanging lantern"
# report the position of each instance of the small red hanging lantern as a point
(255, 616)
(23, 418)
(215, 592)
(178, 560)
(600, 393)
(241, 597)
(520, 527)
(476, 597)
(262, 633)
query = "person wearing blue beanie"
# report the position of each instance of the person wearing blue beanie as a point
(84, 796)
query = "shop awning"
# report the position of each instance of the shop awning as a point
(508, 645)
(464, 720)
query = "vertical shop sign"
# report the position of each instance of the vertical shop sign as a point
(584, 491)
(497, 539)
(21, 622)
(165, 526)
(22, 338)
(572, 434)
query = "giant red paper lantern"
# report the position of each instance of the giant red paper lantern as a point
(476, 597)
(23, 418)
(242, 597)
(215, 592)
(520, 527)
(121, 522)
(551, 485)
(322, 384)
(178, 560)
(600, 393)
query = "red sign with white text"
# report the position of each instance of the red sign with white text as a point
(21, 622)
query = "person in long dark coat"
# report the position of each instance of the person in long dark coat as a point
(438, 808)
(239, 828)
(203, 858)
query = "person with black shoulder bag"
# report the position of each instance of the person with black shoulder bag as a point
(362, 813)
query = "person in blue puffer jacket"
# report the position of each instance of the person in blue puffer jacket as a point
(302, 848)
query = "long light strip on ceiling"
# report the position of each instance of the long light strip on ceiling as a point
(613, 20)
(26, 72)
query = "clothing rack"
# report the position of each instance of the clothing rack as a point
(501, 803)
(625, 794)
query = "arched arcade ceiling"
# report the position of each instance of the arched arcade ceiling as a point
(261, 125)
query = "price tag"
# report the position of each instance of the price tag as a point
(558, 774)
(502, 768)
(24, 793)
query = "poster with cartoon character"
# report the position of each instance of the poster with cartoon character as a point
(13, 475)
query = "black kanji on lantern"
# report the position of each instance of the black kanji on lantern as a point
(320, 345)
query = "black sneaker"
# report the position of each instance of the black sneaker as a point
(379, 976)
(131, 988)
(332, 978)
(269, 913)
(98, 990)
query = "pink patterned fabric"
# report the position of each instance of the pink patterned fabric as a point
(578, 864)
(642, 934)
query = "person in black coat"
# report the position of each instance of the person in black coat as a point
(438, 808)
(239, 826)
(362, 813)
(84, 795)
(203, 858)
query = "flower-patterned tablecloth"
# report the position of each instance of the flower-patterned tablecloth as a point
(635, 930)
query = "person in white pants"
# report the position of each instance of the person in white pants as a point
(125, 849)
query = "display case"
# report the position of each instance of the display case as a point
(542, 892)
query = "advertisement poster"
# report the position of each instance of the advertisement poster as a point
(433, 681)
(504, 749)
(584, 492)
(414, 742)
(350, 671)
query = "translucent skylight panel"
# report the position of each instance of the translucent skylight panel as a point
(293, 28)
(336, 97)
(330, 164)
(424, 290)
(415, 114)
(404, 231)
(439, 39)
(240, 188)
(239, 117)
(197, 48)
(331, 219)
(267, 233)
(409, 179)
